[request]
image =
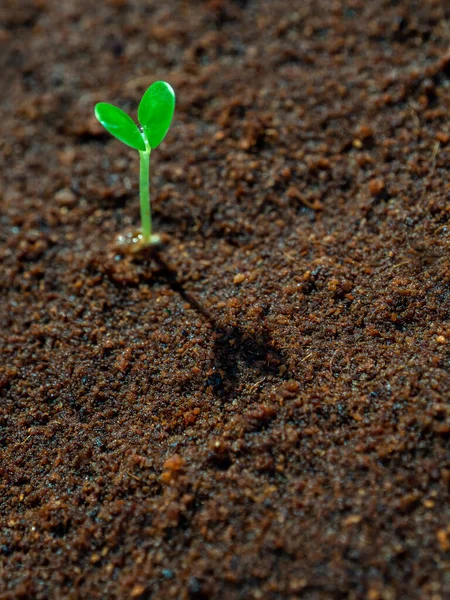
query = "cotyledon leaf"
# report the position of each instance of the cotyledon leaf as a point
(156, 110)
(120, 125)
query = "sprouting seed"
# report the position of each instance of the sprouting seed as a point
(155, 114)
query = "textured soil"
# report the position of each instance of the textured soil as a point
(260, 409)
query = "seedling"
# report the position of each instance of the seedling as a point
(155, 114)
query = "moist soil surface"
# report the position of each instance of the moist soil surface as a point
(259, 408)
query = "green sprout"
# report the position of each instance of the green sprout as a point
(155, 114)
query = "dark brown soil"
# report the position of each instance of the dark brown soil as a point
(262, 409)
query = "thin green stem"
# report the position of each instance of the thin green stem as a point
(144, 193)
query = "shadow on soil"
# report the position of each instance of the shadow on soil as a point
(234, 348)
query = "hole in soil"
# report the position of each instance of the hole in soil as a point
(61, 529)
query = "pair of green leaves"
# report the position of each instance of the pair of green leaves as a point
(155, 114)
